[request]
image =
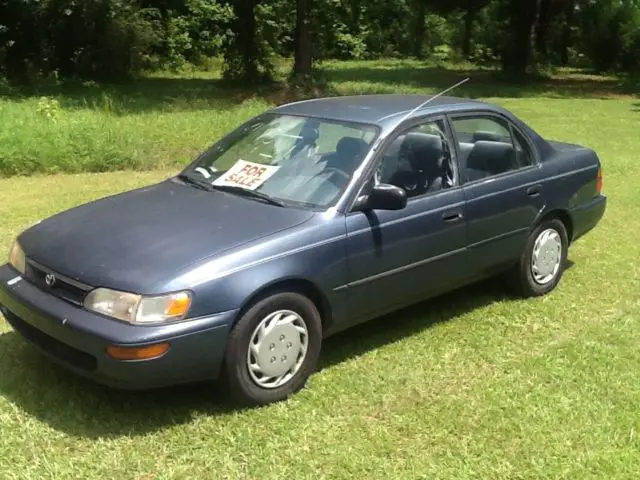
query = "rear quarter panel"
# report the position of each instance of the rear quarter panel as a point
(569, 179)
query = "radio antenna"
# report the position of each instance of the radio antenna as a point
(429, 100)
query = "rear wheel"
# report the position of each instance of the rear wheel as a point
(543, 261)
(273, 349)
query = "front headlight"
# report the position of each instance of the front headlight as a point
(16, 257)
(137, 308)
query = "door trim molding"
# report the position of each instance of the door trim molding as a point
(403, 268)
(498, 237)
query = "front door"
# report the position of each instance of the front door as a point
(502, 188)
(399, 257)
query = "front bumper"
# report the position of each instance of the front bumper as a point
(77, 339)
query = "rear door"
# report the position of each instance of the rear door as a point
(501, 182)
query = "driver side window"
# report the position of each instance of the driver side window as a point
(419, 160)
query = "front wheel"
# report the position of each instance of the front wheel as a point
(273, 349)
(543, 261)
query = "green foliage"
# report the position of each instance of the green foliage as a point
(256, 36)
(348, 45)
(629, 59)
(47, 40)
(48, 107)
(99, 39)
(488, 44)
(196, 32)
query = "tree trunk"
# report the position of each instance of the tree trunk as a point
(542, 26)
(355, 16)
(303, 46)
(247, 38)
(569, 14)
(517, 53)
(419, 29)
(469, 19)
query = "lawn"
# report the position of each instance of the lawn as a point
(473, 384)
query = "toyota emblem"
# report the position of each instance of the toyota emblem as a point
(50, 279)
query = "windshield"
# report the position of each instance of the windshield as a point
(299, 161)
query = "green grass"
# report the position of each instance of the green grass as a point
(472, 385)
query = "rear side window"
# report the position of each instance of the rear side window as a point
(488, 147)
(472, 129)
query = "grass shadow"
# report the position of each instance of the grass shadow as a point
(207, 92)
(409, 321)
(163, 94)
(483, 82)
(82, 408)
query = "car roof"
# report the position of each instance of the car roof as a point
(378, 109)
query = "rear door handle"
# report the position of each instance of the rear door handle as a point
(534, 191)
(452, 216)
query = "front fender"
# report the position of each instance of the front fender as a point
(316, 255)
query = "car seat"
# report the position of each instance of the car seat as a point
(488, 159)
(425, 155)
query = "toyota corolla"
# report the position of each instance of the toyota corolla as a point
(306, 220)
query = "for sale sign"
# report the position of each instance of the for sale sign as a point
(246, 175)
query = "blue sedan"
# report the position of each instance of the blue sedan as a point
(306, 220)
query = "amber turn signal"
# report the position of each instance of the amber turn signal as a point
(178, 305)
(137, 353)
(599, 181)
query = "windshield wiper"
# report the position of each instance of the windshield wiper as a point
(194, 181)
(249, 193)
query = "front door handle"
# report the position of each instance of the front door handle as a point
(451, 217)
(534, 191)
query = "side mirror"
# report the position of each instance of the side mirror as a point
(383, 197)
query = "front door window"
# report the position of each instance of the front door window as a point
(419, 160)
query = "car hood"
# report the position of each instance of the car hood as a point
(135, 240)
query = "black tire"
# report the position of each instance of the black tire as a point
(240, 386)
(522, 279)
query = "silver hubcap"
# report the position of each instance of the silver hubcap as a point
(546, 257)
(277, 349)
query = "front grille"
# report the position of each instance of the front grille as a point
(63, 287)
(56, 348)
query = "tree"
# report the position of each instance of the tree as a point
(241, 51)
(548, 12)
(542, 26)
(303, 50)
(517, 54)
(418, 29)
(470, 9)
(566, 36)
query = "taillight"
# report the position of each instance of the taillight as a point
(599, 182)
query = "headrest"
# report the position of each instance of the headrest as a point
(350, 147)
(308, 134)
(486, 136)
(492, 157)
(424, 151)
